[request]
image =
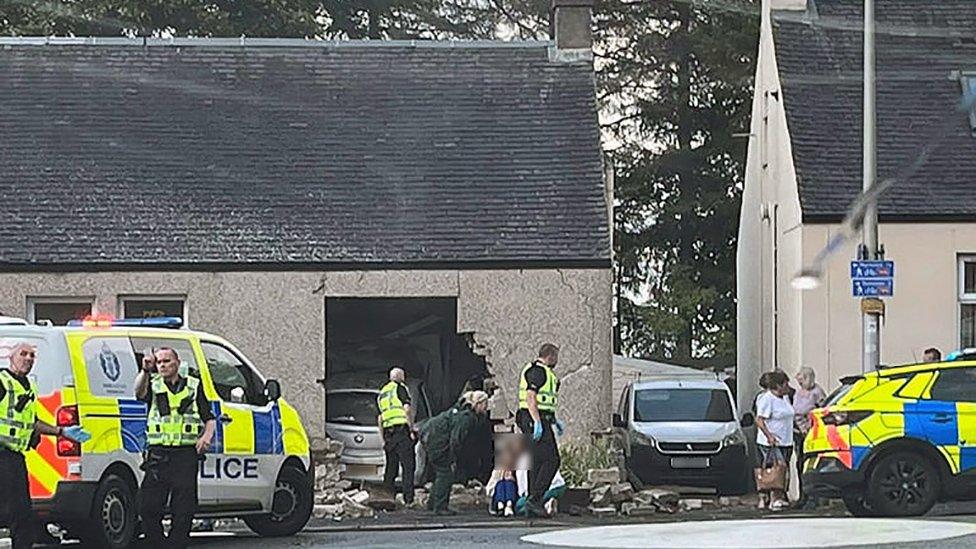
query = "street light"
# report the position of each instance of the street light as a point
(807, 279)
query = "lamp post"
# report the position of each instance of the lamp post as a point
(870, 320)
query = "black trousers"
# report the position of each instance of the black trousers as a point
(171, 474)
(20, 517)
(545, 454)
(398, 446)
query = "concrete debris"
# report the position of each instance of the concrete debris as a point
(691, 504)
(598, 477)
(622, 497)
(336, 498)
(603, 511)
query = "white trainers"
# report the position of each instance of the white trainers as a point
(509, 511)
(779, 505)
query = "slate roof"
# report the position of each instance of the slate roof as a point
(920, 45)
(288, 153)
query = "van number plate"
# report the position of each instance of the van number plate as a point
(689, 463)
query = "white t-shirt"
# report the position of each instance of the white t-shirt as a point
(778, 413)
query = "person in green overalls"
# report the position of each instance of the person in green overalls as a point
(443, 437)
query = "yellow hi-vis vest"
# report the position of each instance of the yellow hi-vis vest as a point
(17, 413)
(545, 398)
(392, 412)
(173, 417)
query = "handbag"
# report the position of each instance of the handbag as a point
(771, 473)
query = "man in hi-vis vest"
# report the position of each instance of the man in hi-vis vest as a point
(179, 429)
(399, 437)
(536, 418)
(18, 425)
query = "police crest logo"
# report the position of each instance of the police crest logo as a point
(110, 363)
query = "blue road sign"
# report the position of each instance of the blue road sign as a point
(873, 287)
(872, 269)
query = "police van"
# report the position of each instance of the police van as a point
(258, 468)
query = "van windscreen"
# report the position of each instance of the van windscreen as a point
(680, 404)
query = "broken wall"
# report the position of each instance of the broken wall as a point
(277, 319)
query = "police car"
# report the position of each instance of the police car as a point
(895, 441)
(259, 466)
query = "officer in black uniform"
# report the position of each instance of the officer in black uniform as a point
(180, 428)
(536, 418)
(399, 435)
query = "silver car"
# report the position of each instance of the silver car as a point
(351, 418)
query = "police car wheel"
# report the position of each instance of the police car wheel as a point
(113, 515)
(290, 508)
(902, 484)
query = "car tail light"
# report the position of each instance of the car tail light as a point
(67, 416)
(844, 418)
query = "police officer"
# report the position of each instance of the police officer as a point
(18, 425)
(180, 428)
(396, 423)
(536, 416)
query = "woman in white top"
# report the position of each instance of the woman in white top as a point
(774, 419)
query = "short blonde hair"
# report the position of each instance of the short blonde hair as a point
(472, 398)
(807, 374)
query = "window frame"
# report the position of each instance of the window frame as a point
(123, 298)
(962, 298)
(34, 300)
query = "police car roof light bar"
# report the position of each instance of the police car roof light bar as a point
(155, 322)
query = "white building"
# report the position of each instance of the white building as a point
(804, 169)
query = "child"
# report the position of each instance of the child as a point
(504, 492)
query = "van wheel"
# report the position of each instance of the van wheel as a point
(902, 484)
(113, 515)
(290, 508)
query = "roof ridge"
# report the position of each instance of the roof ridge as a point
(263, 42)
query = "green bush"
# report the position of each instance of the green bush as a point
(581, 455)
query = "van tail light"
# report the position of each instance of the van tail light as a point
(845, 418)
(67, 416)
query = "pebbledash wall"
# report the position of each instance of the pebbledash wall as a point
(278, 320)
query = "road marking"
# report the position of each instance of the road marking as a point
(756, 534)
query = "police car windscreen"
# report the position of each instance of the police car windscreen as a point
(352, 408)
(659, 405)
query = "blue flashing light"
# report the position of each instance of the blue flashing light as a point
(155, 322)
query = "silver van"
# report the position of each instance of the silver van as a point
(683, 431)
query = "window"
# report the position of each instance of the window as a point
(111, 365)
(955, 385)
(967, 301)
(351, 408)
(234, 380)
(656, 405)
(968, 88)
(188, 361)
(59, 310)
(152, 307)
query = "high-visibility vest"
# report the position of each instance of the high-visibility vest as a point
(174, 419)
(392, 412)
(545, 397)
(17, 413)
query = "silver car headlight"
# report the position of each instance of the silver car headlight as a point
(735, 439)
(643, 440)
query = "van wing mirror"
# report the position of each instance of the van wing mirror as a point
(272, 389)
(618, 421)
(748, 420)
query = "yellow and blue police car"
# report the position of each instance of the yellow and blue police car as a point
(258, 468)
(895, 441)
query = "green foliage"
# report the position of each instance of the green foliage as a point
(580, 455)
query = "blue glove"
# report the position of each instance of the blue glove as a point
(77, 434)
(537, 431)
(558, 427)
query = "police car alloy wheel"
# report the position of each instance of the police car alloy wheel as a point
(291, 506)
(903, 484)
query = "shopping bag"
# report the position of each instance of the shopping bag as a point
(771, 473)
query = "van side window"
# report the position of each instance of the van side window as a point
(47, 373)
(234, 380)
(111, 366)
(188, 360)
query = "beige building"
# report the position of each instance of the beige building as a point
(331, 208)
(804, 170)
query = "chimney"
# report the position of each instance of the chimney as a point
(571, 28)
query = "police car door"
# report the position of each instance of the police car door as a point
(249, 451)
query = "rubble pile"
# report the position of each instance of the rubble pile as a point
(335, 497)
(611, 495)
